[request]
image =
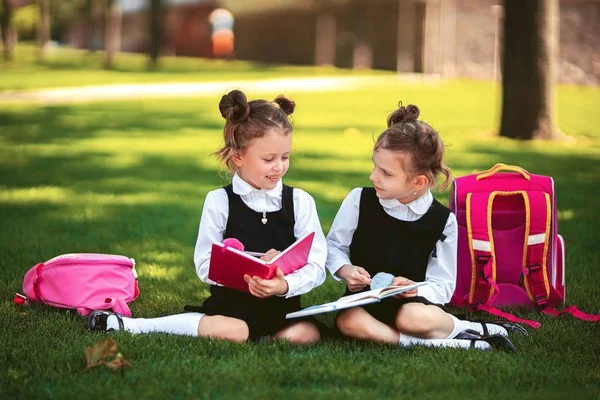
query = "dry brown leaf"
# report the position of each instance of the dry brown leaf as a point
(96, 354)
(118, 362)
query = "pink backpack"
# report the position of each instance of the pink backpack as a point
(82, 281)
(509, 249)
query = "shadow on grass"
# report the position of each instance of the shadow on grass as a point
(53, 124)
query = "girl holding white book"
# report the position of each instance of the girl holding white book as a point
(398, 228)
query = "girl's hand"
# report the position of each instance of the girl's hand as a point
(263, 288)
(269, 255)
(356, 278)
(402, 281)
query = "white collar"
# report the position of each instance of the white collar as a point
(419, 206)
(242, 188)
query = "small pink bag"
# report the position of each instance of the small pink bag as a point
(85, 282)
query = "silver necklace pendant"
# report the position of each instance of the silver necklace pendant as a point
(264, 218)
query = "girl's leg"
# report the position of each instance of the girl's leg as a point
(303, 332)
(190, 324)
(425, 321)
(359, 324)
(428, 325)
(223, 328)
(179, 324)
(431, 322)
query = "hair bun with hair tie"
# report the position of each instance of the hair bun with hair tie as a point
(285, 104)
(403, 114)
(234, 106)
(412, 113)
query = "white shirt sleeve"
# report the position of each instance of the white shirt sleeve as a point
(212, 228)
(441, 270)
(341, 232)
(307, 220)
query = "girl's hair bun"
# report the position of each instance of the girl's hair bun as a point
(286, 104)
(234, 106)
(403, 114)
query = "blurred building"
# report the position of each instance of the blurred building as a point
(452, 38)
(186, 28)
(447, 37)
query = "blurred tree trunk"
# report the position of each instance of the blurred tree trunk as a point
(112, 39)
(325, 33)
(43, 29)
(6, 29)
(89, 30)
(363, 31)
(528, 73)
(156, 30)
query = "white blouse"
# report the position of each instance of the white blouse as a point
(441, 270)
(214, 221)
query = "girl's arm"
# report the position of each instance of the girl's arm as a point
(212, 229)
(441, 270)
(307, 220)
(341, 232)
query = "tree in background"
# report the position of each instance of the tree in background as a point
(325, 34)
(112, 33)
(43, 28)
(531, 29)
(6, 29)
(156, 30)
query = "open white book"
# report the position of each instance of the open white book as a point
(354, 300)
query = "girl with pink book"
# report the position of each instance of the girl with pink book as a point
(262, 213)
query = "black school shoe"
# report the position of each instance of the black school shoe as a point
(511, 327)
(498, 342)
(97, 320)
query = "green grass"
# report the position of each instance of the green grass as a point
(65, 67)
(130, 177)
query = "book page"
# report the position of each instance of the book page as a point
(378, 293)
(243, 254)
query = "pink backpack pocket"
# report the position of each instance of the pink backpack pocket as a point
(84, 281)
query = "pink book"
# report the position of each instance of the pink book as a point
(228, 265)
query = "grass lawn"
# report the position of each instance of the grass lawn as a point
(130, 178)
(64, 67)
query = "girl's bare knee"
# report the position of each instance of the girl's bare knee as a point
(351, 323)
(300, 333)
(223, 328)
(415, 318)
(305, 333)
(346, 323)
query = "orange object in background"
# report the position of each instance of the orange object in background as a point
(222, 41)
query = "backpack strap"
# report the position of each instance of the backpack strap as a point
(535, 274)
(481, 245)
(484, 289)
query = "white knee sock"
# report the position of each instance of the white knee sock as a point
(178, 324)
(408, 341)
(462, 325)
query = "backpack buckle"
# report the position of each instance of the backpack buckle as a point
(533, 268)
(521, 279)
(485, 278)
(541, 301)
(483, 259)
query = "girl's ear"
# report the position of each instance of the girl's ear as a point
(421, 182)
(237, 160)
